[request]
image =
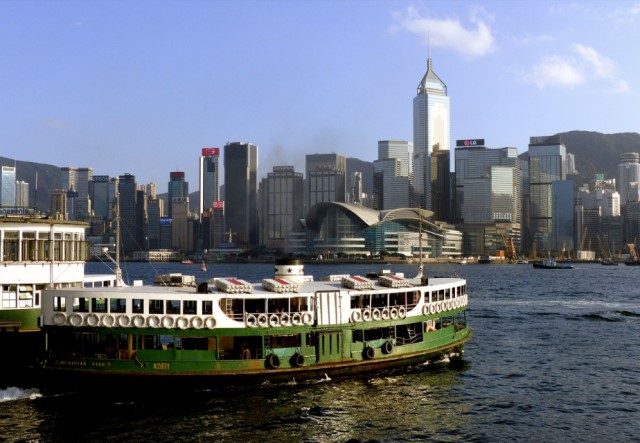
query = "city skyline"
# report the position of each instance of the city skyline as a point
(141, 87)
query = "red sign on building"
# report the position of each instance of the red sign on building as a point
(218, 204)
(210, 151)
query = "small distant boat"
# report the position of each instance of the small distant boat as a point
(484, 259)
(550, 263)
(608, 262)
(187, 262)
(462, 262)
(522, 262)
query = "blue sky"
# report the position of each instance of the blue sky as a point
(141, 86)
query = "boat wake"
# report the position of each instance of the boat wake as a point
(14, 393)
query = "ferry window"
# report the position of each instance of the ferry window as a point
(156, 307)
(379, 300)
(447, 321)
(117, 305)
(207, 307)
(299, 304)
(189, 307)
(80, 304)
(427, 297)
(285, 341)
(137, 306)
(98, 305)
(254, 305)
(28, 246)
(173, 307)
(10, 246)
(356, 301)
(357, 336)
(59, 304)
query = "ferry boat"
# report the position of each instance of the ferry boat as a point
(36, 253)
(289, 327)
(550, 263)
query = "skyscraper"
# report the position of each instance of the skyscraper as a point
(177, 188)
(77, 179)
(431, 133)
(547, 164)
(99, 193)
(128, 213)
(209, 178)
(326, 178)
(281, 205)
(241, 192)
(8, 187)
(628, 172)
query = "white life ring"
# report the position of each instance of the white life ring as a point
(438, 307)
(356, 315)
(402, 312)
(393, 313)
(153, 321)
(197, 322)
(376, 315)
(274, 320)
(138, 321)
(285, 319)
(385, 313)
(75, 319)
(296, 319)
(449, 305)
(93, 319)
(432, 308)
(59, 318)
(307, 318)
(182, 323)
(425, 310)
(366, 315)
(251, 321)
(210, 322)
(168, 322)
(108, 320)
(262, 320)
(124, 320)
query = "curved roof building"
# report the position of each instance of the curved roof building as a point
(335, 227)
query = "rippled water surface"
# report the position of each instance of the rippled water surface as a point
(555, 357)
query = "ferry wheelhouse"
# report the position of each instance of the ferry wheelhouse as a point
(38, 253)
(285, 327)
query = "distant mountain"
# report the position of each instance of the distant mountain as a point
(48, 178)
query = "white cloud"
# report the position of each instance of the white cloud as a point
(450, 33)
(555, 71)
(569, 71)
(604, 67)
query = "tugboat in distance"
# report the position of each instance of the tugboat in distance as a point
(550, 263)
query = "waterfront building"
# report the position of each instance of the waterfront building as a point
(392, 180)
(83, 178)
(431, 134)
(334, 229)
(68, 178)
(598, 217)
(356, 194)
(488, 197)
(209, 178)
(547, 164)
(281, 205)
(8, 187)
(241, 184)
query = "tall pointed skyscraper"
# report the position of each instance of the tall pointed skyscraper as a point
(431, 141)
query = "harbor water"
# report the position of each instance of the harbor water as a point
(555, 357)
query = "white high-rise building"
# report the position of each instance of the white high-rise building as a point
(628, 173)
(8, 187)
(392, 175)
(431, 133)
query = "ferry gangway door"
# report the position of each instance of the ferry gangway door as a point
(328, 311)
(328, 308)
